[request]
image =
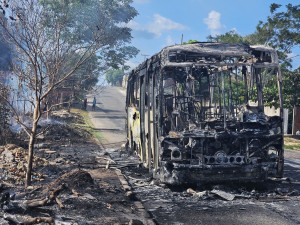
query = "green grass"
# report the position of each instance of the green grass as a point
(292, 147)
(291, 143)
(88, 125)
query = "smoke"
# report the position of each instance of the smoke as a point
(5, 56)
(43, 123)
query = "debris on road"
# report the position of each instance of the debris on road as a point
(225, 195)
(195, 193)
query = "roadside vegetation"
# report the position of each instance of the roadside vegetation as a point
(114, 77)
(291, 143)
(87, 123)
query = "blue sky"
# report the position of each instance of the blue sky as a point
(161, 23)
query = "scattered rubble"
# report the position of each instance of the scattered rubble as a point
(18, 219)
(75, 180)
(195, 193)
(13, 161)
(223, 194)
(65, 116)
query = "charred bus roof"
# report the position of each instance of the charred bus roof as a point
(215, 54)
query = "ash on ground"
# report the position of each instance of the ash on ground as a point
(70, 182)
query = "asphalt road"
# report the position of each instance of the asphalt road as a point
(109, 115)
(292, 166)
(168, 207)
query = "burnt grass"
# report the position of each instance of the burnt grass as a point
(89, 193)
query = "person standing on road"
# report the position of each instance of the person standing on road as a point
(94, 104)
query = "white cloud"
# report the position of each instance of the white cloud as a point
(170, 41)
(156, 27)
(161, 24)
(213, 22)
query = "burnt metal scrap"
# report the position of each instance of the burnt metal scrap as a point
(195, 113)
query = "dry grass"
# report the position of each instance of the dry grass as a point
(89, 126)
(291, 143)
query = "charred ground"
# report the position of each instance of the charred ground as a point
(273, 201)
(73, 170)
(70, 182)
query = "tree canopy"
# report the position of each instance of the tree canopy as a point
(229, 37)
(190, 42)
(84, 18)
(281, 29)
(114, 77)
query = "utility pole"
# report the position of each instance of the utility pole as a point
(181, 39)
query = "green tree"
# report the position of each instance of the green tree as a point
(290, 89)
(85, 77)
(52, 41)
(114, 77)
(82, 18)
(190, 42)
(281, 30)
(229, 37)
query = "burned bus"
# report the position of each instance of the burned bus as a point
(196, 113)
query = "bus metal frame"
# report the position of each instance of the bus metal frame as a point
(196, 113)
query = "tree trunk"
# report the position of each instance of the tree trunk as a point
(30, 159)
(31, 145)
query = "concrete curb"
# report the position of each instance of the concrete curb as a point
(99, 144)
(128, 191)
(138, 204)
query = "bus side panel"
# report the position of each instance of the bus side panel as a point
(134, 129)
